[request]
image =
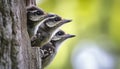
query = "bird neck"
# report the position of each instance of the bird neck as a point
(56, 44)
(32, 24)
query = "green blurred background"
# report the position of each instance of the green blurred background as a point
(96, 20)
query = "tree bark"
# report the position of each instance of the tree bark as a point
(15, 49)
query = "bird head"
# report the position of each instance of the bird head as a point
(55, 21)
(35, 14)
(59, 37)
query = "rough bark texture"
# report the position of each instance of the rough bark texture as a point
(15, 49)
(30, 2)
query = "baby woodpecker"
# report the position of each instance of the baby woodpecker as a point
(49, 50)
(47, 29)
(34, 18)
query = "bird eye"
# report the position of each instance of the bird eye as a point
(57, 19)
(60, 33)
(39, 12)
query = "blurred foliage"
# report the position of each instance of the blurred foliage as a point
(91, 19)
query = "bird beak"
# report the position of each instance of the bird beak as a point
(45, 15)
(68, 36)
(63, 21)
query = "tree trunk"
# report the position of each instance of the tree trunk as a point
(15, 49)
